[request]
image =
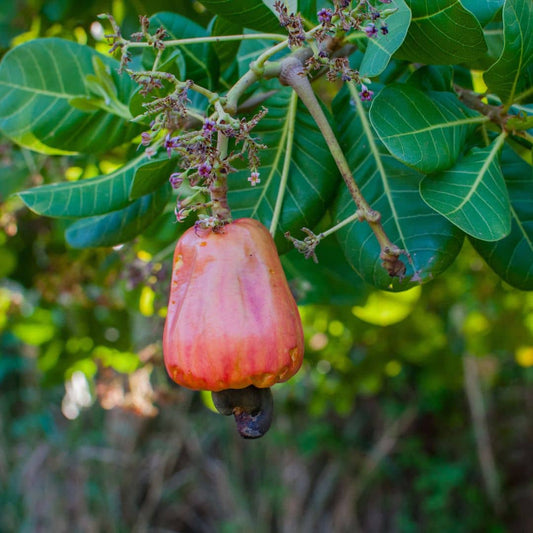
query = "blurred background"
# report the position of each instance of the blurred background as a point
(412, 412)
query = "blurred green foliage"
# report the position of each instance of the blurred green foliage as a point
(376, 433)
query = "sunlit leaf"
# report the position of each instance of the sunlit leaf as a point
(472, 194)
(424, 130)
(93, 196)
(442, 32)
(39, 79)
(385, 308)
(119, 226)
(512, 257)
(506, 77)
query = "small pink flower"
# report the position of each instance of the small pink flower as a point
(254, 178)
(204, 170)
(371, 30)
(366, 94)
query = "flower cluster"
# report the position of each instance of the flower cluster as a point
(363, 16)
(118, 42)
(198, 158)
(293, 23)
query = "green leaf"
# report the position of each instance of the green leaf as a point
(424, 130)
(254, 14)
(226, 50)
(39, 79)
(432, 78)
(484, 10)
(308, 9)
(119, 226)
(472, 194)
(93, 196)
(431, 241)
(506, 77)
(312, 178)
(442, 32)
(512, 257)
(380, 49)
(150, 176)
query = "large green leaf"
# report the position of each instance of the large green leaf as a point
(380, 49)
(119, 226)
(312, 178)
(424, 130)
(484, 10)
(432, 78)
(253, 14)
(431, 241)
(151, 175)
(512, 257)
(38, 81)
(442, 32)
(472, 194)
(94, 196)
(506, 77)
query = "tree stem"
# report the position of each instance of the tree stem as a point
(292, 74)
(218, 189)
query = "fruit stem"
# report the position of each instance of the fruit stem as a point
(218, 188)
(293, 74)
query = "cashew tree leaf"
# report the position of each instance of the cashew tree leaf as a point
(119, 226)
(507, 77)
(430, 241)
(41, 81)
(381, 48)
(512, 257)
(484, 10)
(312, 174)
(472, 194)
(151, 175)
(83, 198)
(254, 14)
(442, 32)
(426, 131)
